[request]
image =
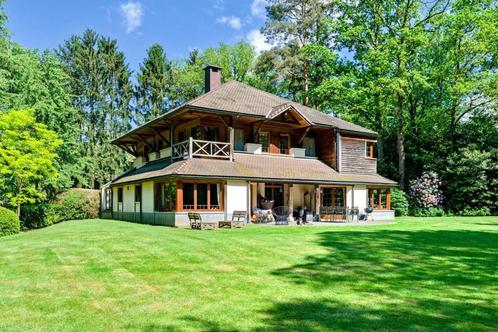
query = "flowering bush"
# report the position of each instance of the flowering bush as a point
(425, 192)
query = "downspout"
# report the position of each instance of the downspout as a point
(338, 152)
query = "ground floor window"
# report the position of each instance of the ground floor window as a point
(165, 196)
(333, 197)
(379, 198)
(108, 199)
(120, 195)
(138, 193)
(201, 196)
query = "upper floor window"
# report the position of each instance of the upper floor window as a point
(264, 140)
(309, 145)
(370, 149)
(284, 143)
(205, 133)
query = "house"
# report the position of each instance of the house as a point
(226, 149)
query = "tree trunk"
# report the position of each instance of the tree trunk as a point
(305, 83)
(401, 143)
(18, 211)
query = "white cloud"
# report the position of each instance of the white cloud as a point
(258, 41)
(232, 21)
(258, 8)
(132, 14)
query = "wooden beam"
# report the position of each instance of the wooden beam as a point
(145, 141)
(128, 149)
(258, 129)
(161, 136)
(301, 138)
(225, 122)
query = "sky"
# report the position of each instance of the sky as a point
(179, 26)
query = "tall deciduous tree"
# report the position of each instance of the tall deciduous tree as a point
(152, 93)
(27, 154)
(101, 86)
(292, 25)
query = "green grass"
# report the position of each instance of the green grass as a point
(418, 274)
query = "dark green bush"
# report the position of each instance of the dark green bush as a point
(9, 223)
(79, 204)
(484, 211)
(429, 212)
(40, 215)
(399, 202)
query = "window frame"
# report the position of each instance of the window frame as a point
(370, 149)
(333, 195)
(119, 194)
(287, 137)
(139, 192)
(195, 207)
(376, 198)
(261, 133)
(172, 200)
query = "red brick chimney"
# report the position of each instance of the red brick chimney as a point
(212, 78)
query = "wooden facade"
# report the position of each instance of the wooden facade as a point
(353, 157)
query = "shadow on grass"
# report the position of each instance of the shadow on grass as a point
(395, 280)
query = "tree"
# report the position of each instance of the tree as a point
(293, 25)
(27, 153)
(152, 92)
(30, 79)
(102, 90)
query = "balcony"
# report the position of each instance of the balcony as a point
(198, 148)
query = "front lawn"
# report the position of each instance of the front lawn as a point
(421, 274)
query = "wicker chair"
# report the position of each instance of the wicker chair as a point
(282, 214)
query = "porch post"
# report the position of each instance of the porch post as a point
(231, 132)
(249, 198)
(225, 205)
(291, 202)
(317, 200)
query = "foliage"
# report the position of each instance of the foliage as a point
(427, 212)
(468, 185)
(399, 202)
(154, 79)
(27, 152)
(425, 191)
(40, 215)
(9, 222)
(79, 204)
(101, 88)
(29, 79)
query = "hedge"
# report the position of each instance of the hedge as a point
(40, 215)
(399, 202)
(79, 204)
(9, 222)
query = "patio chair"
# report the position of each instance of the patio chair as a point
(282, 214)
(196, 222)
(238, 220)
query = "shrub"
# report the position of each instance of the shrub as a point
(484, 211)
(9, 223)
(429, 212)
(79, 204)
(40, 215)
(425, 192)
(399, 202)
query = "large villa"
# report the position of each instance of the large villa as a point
(237, 148)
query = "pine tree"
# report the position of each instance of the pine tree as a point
(152, 93)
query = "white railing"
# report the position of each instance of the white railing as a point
(198, 148)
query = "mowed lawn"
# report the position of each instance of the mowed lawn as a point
(418, 274)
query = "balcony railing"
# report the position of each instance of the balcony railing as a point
(198, 148)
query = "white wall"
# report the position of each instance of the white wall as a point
(298, 191)
(360, 197)
(236, 196)
(148, 196)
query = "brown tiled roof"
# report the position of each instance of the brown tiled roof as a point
(236, 97)
(251, 167)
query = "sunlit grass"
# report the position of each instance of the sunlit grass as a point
(420, 274)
